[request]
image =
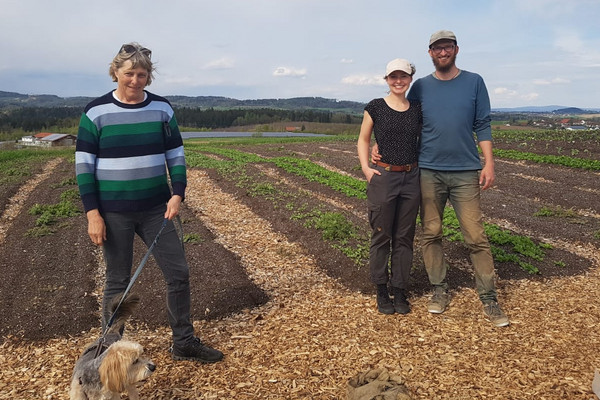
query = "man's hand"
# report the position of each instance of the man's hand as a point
(96, 227)
(375, 156)
(173, 207)
(487, 176)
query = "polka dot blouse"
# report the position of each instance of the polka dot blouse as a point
(396, 132)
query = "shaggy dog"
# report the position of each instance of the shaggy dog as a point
(118, 368)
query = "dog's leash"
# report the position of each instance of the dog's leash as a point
(131, 282)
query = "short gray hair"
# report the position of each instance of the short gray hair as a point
(139, 57)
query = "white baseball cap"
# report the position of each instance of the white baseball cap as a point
(400, 64)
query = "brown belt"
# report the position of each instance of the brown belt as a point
(396, 168)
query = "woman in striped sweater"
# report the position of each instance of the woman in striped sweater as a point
(128, 145)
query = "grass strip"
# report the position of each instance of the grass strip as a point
(572, 162)
(521, 247)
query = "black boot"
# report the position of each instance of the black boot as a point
(401, 304)
(384, 303)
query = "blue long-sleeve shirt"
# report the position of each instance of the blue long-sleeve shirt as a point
(455, 112)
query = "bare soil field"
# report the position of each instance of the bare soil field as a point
(293, 311)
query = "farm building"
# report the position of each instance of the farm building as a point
(46, 139)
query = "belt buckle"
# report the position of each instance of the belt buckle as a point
(408, 167)
(388, 168)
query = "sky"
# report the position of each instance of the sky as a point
(529, 52)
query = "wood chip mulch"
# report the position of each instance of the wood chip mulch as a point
(314, 335)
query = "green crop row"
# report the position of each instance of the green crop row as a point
(522, 247)
(582, 163)
(51, 214)
(339, 232)
(306, 169)
(347, 185)
(545, 135)
(506, 246)
(16, 165)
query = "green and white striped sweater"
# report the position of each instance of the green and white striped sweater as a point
(123, 154)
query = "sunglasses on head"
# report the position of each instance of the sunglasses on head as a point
(130, 50)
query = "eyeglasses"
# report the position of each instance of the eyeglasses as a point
(130, 50)
(449, 48)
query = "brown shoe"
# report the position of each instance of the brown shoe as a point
(439, 301)
(494, 314)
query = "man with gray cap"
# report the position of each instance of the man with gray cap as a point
(455, 105)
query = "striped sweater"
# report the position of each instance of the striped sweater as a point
(123, 152)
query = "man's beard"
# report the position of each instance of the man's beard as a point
(444, 68)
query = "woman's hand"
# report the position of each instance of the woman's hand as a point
(173, 207)
(96, 227)
(369, 172)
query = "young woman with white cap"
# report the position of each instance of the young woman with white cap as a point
(393, 192)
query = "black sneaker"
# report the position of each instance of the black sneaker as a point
(195, 350)
(384, 303)
(401, 304)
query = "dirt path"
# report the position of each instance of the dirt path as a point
(15, 203)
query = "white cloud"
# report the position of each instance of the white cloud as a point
(289, 72)
(221, 63)
(579, 52)
(530, 96)
(363, 80)
(524, 48)
(550, 81)
(502, 91)
(503, 94)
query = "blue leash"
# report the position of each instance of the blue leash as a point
(131, 282)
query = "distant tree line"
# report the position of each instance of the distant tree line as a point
(66, 119)
(36, 119)
(213, 119)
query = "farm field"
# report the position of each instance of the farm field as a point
(276, 237)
